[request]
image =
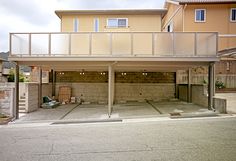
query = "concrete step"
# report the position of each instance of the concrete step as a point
(22, 97)
(22, 111)
(22, 100)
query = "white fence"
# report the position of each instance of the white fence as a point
(229, 80)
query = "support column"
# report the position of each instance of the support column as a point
(53, 82)
(214, 79)
(189, 85)
(40, 86)
(176, 85)
(110, 89)
(16, 110)
(211, 85)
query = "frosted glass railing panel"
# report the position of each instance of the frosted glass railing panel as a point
(60, 44)
(142, 43)
(100, 44)
(80, 44)
(157, 44)
(184, 44)
(20, 44)
(121, 44)
(206, 44)
(39, 44)
(163, 44)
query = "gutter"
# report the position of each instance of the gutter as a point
(183, 16)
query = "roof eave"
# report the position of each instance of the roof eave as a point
(162, 12)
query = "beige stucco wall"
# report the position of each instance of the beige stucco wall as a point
(121, 42)
(217, 20)
(135, 23)
(177, 20)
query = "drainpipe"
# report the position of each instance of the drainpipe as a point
(210, 86)
(183, 16)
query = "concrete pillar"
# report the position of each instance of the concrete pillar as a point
(53, 82)
(211, 85)
(16, 110)
(113, 87)
(189, 85)
(40, 86)
(214, 79)
(176, 85)
(110, 89)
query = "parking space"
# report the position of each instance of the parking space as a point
(120, 111)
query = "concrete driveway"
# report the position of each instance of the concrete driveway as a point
(120, 111)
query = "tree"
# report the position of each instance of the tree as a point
(11, 76)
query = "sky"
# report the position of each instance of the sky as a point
(39, 15)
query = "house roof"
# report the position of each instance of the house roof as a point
(228, 53)
(202, 1)
(161, 12)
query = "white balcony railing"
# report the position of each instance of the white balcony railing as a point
(114, 44)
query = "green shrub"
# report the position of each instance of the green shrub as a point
(219, 84)
(11, 76)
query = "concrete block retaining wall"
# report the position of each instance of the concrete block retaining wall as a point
(95, 92)
(31, 96)
(7, 100)
(183, 92)
(220, 105)
(47, 89)
(198, 94)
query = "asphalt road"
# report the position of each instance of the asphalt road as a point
(176, 140)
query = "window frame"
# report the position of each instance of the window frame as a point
(170, 26)
(201, 21)
(76, 22)
(96, 22)
(231, 12)
(127, 22)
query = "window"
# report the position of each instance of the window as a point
(96, 24)
(233, 15)
(117, 22)
(170, 27)
(200, 15)
(76, 25)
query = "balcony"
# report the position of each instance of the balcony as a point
(113, 45)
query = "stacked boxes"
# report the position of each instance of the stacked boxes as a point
(64, 94)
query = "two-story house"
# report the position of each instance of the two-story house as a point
(115, 55)
(207, 16)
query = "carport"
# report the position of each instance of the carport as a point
(116, 52)
(113, 67)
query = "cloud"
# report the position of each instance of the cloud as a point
(111, 4)
(39, 16)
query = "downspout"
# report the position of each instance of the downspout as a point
(183, 16)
